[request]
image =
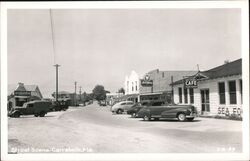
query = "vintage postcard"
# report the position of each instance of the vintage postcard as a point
(128, 80)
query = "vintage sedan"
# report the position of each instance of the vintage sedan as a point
(138, 106)
(120, 107)
(181, 112)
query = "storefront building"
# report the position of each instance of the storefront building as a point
(72, 99)
(159, 88)
(154, 85)
(23, 93)
(217, 91)
(112, 97)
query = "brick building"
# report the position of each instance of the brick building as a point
(157, 88)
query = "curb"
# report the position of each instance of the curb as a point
(222, 117)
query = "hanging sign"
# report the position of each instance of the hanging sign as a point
(190, 83)
(22, 93)
(147, 81)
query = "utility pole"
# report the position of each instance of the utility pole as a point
(198, 67)
(54, 52)
(56, 81)
(80, 92)
(172, 91)
(75, 94)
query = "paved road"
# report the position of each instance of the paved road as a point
(96, 129)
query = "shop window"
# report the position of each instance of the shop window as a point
(185, 95)
(222, 93)
(241, 90)
(132, 86)
(30, 105)
(191, 95)
(136, 86)
(180, 95)
(232, 92)
(127, 86)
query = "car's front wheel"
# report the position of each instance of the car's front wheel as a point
(16, 114)
(42, 114)
(181, 117)
(146, 118)
(133, 115)
(119, 111)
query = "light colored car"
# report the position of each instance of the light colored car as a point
(120, 107)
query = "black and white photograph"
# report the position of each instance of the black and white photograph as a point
(125, 81)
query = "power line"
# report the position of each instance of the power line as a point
(54, 52)
(52, 35)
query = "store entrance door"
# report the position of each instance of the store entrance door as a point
(205, 105)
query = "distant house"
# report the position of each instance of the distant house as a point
(23, 93)
(112, 97)
(64, 95)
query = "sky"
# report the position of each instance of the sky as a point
(102, 46)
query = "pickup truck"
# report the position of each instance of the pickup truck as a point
(36, 108)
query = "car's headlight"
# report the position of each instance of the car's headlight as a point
(190, 110)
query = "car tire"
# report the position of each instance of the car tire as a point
(146, 118)
(133, 115)
(42, 114)
(36, 115)
(119, 111)
(181, 117)
(190, 119)
(16, 114)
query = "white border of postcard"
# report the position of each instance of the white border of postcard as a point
(243, 5)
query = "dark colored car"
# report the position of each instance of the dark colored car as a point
(61, 104)
(136, 108)
(181, 112)
(36, 108)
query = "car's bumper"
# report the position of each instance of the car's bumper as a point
(192, 115)
(130, 112)
(140, 115)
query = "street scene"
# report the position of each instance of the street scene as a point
(94, 129)
(125, 81)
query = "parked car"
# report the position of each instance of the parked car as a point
(122, 106)
(181, 112)
(36, 108)
(60, 104)
(136, 108)
(102, 103)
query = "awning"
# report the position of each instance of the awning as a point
(129, 96)
(22, 96)
(148, 94)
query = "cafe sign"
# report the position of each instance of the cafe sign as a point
(147, 81)
(22, 93)
(190, 83)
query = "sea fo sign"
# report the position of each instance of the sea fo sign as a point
(190, 83)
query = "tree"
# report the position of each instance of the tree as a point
(226, 61)
(121, 90)
(99, 92)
